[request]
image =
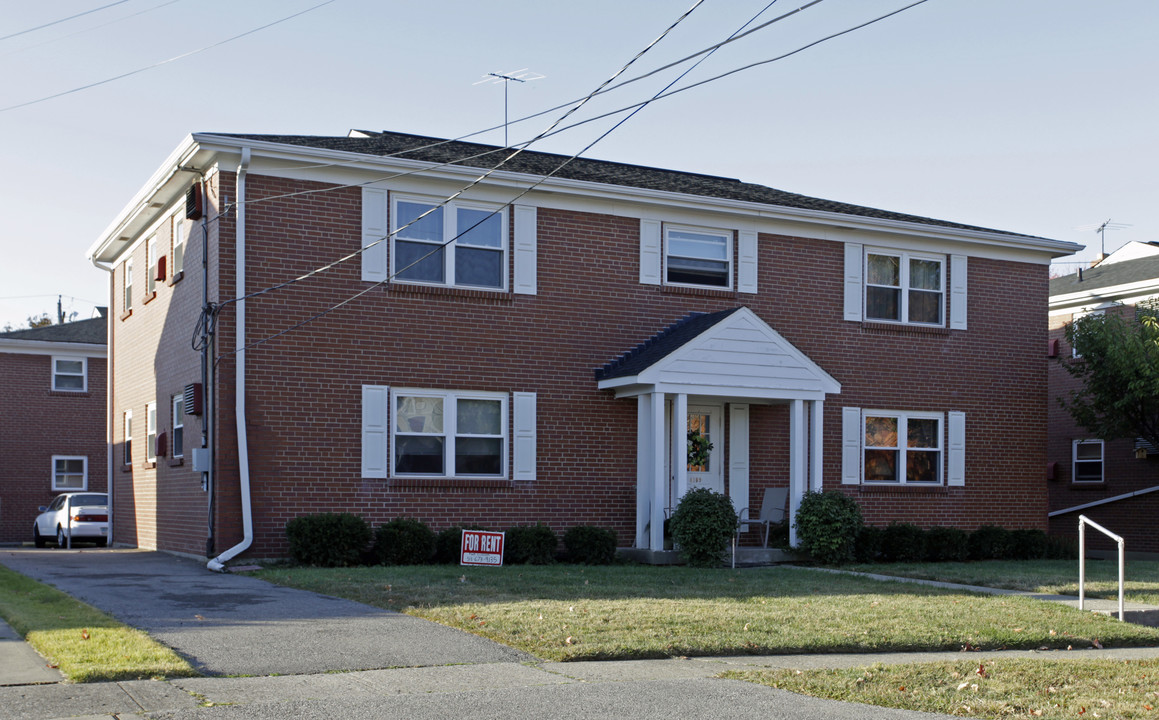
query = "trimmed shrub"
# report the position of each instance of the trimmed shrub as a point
(903, 542)
(403, 541)
(449, 543)
(529, 544)
(828, 524)
(703, 526)
(328, 539)
(868, 548)
(947, 544)
(989, 542)
(1062, 548)
(1027, 544)
(590, 545)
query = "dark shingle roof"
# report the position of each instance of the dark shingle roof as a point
(661, 345)
(418, 147)
(82, 331)
(1110, 275)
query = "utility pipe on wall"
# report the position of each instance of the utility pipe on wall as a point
(218, 563)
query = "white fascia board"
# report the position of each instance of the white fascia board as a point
(728, 393)
(1128, 293)
(47, 347)
(1103, 501)
(1034, 249)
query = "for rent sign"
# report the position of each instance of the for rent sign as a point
(481, 548)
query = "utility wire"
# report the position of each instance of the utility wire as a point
(57, 22)
(164, 62)
(90, 29)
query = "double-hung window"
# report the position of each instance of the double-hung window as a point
(178, 244)
(151, 432)
(70, 473)
(438, 433)
(128, 294)
(905, 288)
(1087, 459)
(68, 374)
(697, 256)
(178, 426)
(902, 448)
(127, 454)
(151, 261)
(458, 244)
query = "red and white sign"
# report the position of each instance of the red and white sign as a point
(481, 547)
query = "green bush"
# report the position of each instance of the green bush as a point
(403, 541)
(529, 544)
(828, 525)
(1062, 548)
(947, 544)
(779, 535)
(449, 544)
(868, 548)
(903, 542)
(1027, 544)
(328, 539)
(703, 526)
(590, 545)
(989, 542)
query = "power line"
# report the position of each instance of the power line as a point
(164, 62)
(57, 22)
(90, 29)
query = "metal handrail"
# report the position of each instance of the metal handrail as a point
(1083, 522)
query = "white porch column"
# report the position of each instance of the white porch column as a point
(680, 445)
(797, 462)
(659, 483)
(816, 443)
(643, 468)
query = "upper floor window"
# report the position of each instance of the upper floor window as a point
(178, 426)
(151, 261)
(178, 244)
(151, 432)
(449, 434)
(697, 256)
(1087, 458)
(905, 288)
(128, 290)
(69, 373)
(458, 244)
(902, 448)
(127, 447)
(70, 473)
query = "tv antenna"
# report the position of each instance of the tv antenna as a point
(1101, 229)
(507, 78)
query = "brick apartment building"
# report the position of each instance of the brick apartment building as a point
(537, 350)
(1112, 482)
(52, 430)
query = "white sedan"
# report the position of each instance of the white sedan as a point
(87, 514)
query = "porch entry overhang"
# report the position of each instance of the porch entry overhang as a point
(730, 357)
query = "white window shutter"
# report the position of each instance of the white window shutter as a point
(957, 292)
(850, 446)
(854, 292)
(956, 475)
(526, 234)
(524, 430)
(746, 251)
(375, 430)
(650, 249)
(374, 235)
(738, 458)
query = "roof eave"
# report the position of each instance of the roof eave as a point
(52, 347)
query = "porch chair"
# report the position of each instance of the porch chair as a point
(772, 512)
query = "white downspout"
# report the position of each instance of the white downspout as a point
(243, 465)
(108, 396)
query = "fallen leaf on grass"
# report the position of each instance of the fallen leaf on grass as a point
(981, 670)
(84, 634)
(1097, 644)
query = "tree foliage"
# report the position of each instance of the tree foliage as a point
(1118, 364)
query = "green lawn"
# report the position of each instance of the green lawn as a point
(566, 612)
(86, 644)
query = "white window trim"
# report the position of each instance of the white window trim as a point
(178, 399)
(151, 432)
(127, 427)
(449, 430)
(904, 256)
(151, 262)
(84, 473)
(450, 230)
(730, 251)
(1074, 460)
(127, 294)
(903, 417)
(84, 373)
(178, 236)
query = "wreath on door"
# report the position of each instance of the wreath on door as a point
(699, 447)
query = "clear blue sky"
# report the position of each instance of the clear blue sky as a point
(1034, 116)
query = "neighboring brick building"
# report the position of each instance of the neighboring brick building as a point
(52, 429)
(464, 367)
(1114, 482)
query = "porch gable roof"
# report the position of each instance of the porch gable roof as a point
(732, 353)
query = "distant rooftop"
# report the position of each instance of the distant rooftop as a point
(82, 331)
(1107, 275)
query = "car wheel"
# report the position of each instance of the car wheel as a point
(37, 538)
(61, 540)
(101, 542)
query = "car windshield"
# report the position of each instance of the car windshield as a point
(90, 499)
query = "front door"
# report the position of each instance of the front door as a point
(705, 447)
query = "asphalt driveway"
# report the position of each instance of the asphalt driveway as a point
(238, 625)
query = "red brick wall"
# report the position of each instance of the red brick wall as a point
(38, 423)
